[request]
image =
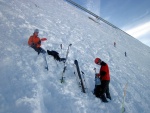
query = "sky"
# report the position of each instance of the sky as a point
(131, 16)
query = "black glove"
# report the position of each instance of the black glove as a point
(103, 73)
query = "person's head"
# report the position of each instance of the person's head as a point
(36, 31)
(97, 61)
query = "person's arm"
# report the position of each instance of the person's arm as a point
(38, 43)
(30, 41)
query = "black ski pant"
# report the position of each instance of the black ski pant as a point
(97, 90)
(39, 50)
(105, 88)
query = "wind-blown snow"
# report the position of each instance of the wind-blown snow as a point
(26, 87)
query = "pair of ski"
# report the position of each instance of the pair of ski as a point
(80, 81)
(77, 71)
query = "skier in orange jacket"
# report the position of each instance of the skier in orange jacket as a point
(35, 42)
(105, 79)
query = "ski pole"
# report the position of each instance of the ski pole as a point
(68, 51)
(46, 65)
(123, 108)
(64, 69)
(61, 46)
(95, 70)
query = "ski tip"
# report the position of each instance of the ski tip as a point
(75, 61)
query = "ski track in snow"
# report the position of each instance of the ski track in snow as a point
(26, 87)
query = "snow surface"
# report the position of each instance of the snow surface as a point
(26, 87)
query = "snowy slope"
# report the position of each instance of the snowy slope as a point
(26, 87)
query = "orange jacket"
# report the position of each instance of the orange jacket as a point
(34, 40)
(104, 71)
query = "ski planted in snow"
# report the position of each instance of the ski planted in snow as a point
(77, 72)
(123, 105)
(64, 69)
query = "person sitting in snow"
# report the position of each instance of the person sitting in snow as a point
(35, 42)
(105, 79)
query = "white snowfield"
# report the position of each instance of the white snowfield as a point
(26, 87)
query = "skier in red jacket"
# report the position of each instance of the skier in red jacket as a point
(105, 79)
(35, 42)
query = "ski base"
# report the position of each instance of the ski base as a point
(81, 84)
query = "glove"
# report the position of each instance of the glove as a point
(103, 73)
(97, 74)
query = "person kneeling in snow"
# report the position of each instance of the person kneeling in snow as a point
(105, 79)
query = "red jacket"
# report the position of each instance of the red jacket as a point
(104, 71)
(34, 40)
